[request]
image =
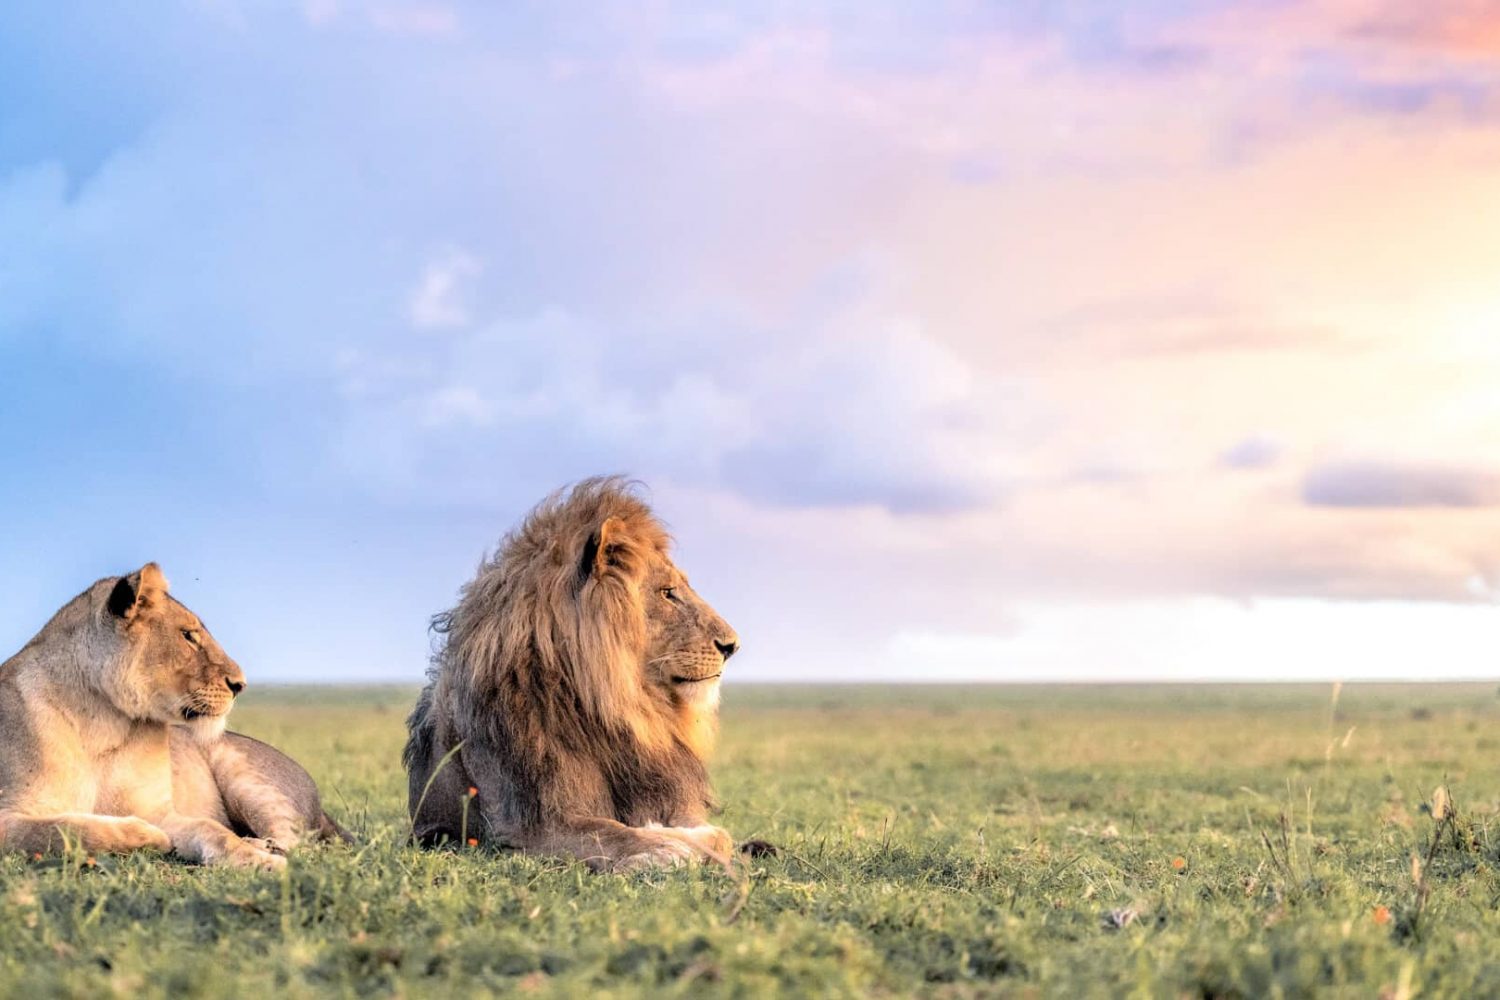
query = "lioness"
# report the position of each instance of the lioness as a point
(114, 720)
(574, 701)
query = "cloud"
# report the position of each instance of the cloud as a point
(319, 12)
(414, 18)
(437, 300)
(1209, 639)
(955, 300)
(1461, 27)
(456, 405)
(1254, 452)
(1180, 326)
(1400, 484)
(851, 411)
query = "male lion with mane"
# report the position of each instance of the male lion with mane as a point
(114, 718)
(574, 698)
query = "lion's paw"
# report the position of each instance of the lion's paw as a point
(712, 839)
(666, 853)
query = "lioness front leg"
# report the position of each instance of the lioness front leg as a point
(94, 833)
(608, 845)
(211, 843)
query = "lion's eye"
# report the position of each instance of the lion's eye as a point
(190, 635)
(670, 593)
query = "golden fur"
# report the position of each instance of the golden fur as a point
(250, 787)
(579, 680)
(113, 718)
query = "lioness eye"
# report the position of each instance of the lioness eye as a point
(190, 636)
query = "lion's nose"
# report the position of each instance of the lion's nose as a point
(235, 684)
(727, 647)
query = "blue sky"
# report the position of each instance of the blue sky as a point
(1088, 341)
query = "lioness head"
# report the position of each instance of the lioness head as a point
(172, 670)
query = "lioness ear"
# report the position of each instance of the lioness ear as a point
(598, 553)
(144, 587)
(153, 584)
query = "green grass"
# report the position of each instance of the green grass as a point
(941, 841)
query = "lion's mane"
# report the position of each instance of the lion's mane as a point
(539, 673)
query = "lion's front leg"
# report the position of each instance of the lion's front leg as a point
(713, 841)
(211, 843)
(94, 833)
(608, 845)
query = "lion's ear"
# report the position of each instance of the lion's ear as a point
(599, 553)
(143, 588)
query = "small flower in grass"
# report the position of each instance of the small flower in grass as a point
(1382, 915)
(1179, 864)
(473, 841)
(473, 791)
(36, 856)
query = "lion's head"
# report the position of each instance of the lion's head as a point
(686, 644)
(165, 666)
(585, 594)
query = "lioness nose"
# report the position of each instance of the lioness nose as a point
(236, 685)
(727, 647)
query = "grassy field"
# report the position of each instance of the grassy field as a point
(1141, 841)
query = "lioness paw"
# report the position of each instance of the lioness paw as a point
(268, 844)
(132, 834)
(247, 854)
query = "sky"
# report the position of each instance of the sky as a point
(954, 341)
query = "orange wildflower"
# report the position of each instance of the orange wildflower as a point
(1381, 916)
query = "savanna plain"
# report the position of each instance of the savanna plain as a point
(1146, 841)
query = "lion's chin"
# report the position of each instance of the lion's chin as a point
(703, 692)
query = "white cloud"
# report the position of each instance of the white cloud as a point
(438, 301)
(1203, 639)
(851, 410)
